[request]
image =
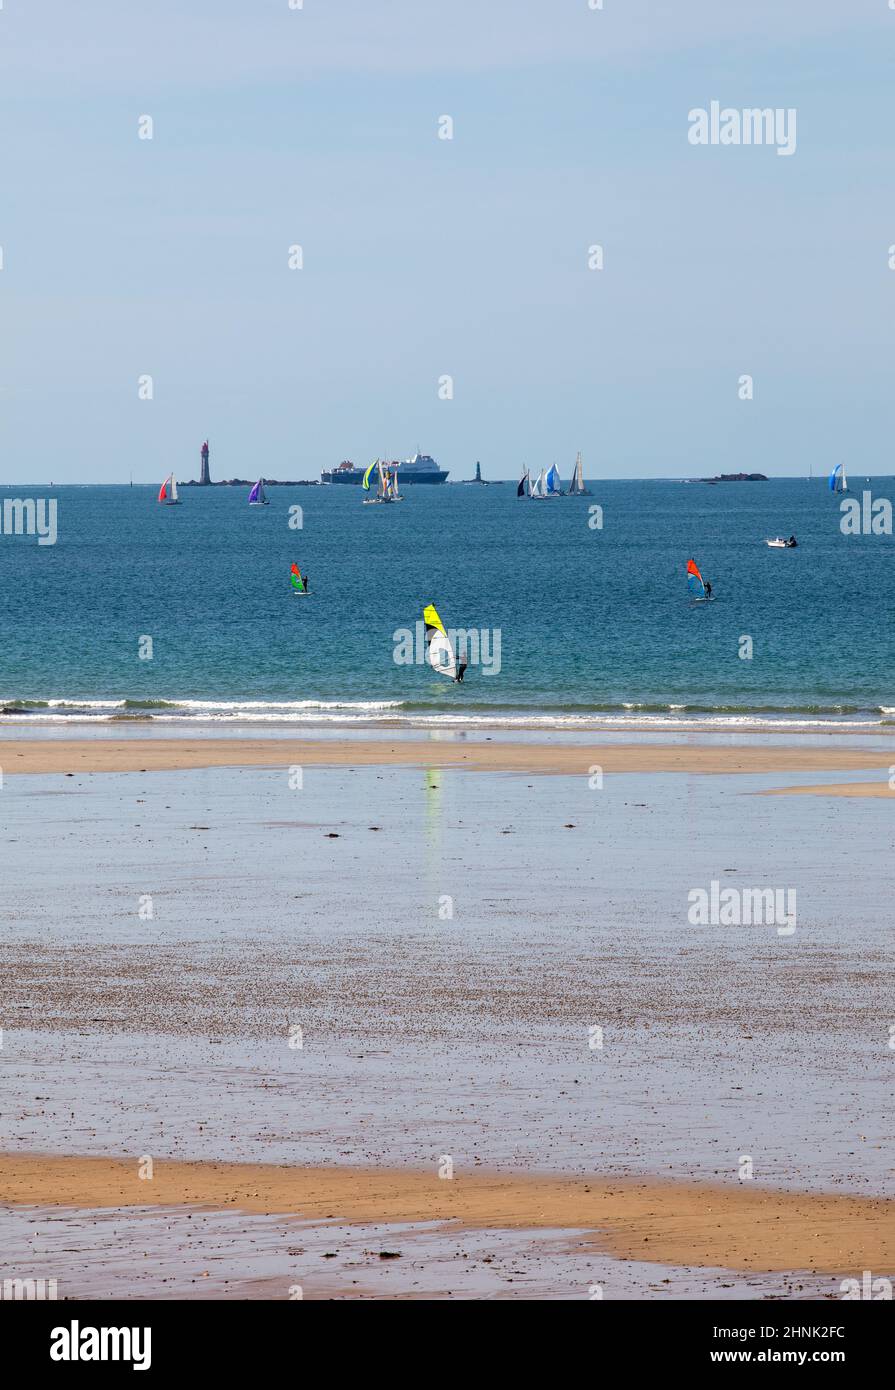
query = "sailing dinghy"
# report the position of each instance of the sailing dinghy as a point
(539, 487)
(576, 486)
(257, 496)
(439, 652)
(383, 488)
(838, 480)
(168, 492)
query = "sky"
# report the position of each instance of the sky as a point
(425, 258)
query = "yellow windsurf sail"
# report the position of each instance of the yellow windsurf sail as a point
(431, 618)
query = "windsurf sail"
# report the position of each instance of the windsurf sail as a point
(553, 483)
(695, 582)
(296, 580)
(439, 652)
(369, 471)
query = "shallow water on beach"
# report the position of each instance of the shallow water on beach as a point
(174, 1252)
(426, 1034)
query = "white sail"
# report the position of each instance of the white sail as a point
(173, 488)
(540, 487)
(843, 480)
(440, 655)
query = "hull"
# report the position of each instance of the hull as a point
(438, 475)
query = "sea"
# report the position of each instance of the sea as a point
(575, 611)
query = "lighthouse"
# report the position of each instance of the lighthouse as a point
(204, 475)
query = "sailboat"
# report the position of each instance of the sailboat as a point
(383, 488)
(526, 478)
(554, 483)
(168, 492)
(439, 652)
(257, 497)
(576, 486)
(392, 486)
(838, 480)
(539, 487)
(696, 584)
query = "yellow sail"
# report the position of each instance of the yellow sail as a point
(431, 618)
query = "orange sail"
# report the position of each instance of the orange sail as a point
(695, 582)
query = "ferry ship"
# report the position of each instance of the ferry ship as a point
(420, 469)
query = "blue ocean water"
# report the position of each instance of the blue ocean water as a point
(594, 624)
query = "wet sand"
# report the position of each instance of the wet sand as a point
(426, 1035)
(862, 789)
(738, 1227)
(160, 755)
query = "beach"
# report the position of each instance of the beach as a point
(444, 998)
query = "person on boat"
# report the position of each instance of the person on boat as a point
(792, 541)
(461, 671)
(708, 589)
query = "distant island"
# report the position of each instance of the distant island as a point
(736, 478)
(250, 482)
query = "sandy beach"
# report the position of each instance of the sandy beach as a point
(72, 755)
(485, 966)
(683, 1224)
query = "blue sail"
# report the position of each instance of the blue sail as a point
(553, 480)
(835, 478)
(253, 495)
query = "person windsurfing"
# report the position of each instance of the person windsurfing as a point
(295, 579)
(697, 586)
(439, 652)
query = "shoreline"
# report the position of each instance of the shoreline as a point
(71, 756)
(673, 1223)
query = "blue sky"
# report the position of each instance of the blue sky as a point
(425, 257)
